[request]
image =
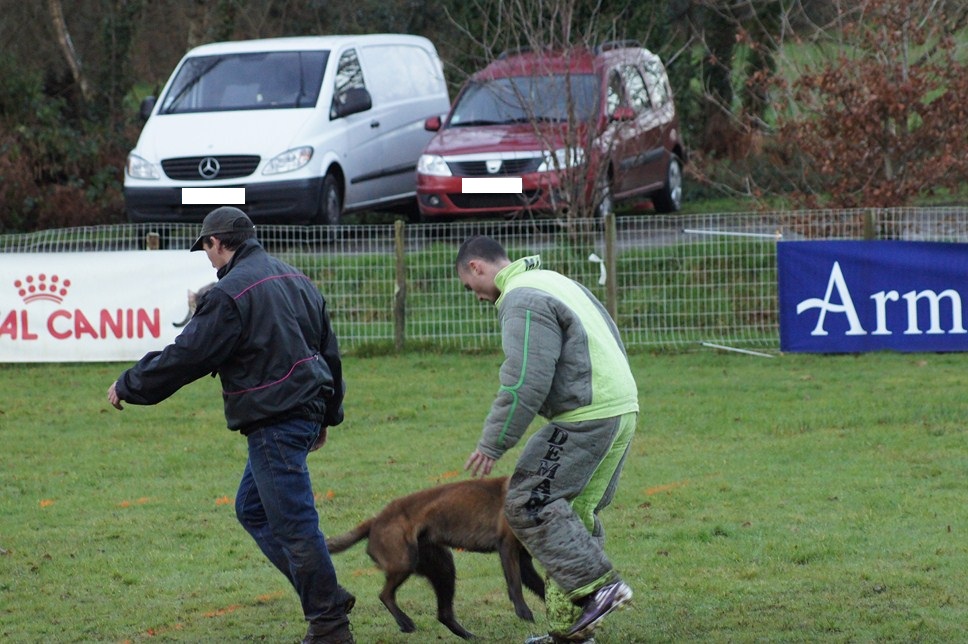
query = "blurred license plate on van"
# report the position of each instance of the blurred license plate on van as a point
(213, 196)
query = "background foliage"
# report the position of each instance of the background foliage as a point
(858, 103)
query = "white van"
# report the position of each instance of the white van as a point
(289, 129)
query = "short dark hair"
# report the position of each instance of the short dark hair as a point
(479, 247)
(234, 239)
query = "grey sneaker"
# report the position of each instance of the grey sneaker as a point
(597, 605)
(556, 639)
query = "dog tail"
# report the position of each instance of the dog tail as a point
(348, 539)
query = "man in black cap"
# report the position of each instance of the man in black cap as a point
(264, 329)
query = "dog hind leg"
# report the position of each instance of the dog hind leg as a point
(389, 598)
(396, 555)
(436, 563)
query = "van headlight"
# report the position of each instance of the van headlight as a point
(562, 159)
(289, 160)
(139, 168)
(433, 165)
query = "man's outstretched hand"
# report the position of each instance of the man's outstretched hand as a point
(113, 396)
(479, 464)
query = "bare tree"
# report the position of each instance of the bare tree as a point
(67, 48)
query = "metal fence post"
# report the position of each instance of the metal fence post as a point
(400, 290)
(611, 267)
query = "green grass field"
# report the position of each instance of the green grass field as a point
(794, 499)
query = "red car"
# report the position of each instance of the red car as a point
(555, 132)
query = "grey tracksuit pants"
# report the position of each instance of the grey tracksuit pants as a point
(566, 474)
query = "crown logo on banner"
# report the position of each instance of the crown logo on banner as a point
(42, 287)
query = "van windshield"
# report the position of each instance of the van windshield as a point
(257, 81)
(522, 99)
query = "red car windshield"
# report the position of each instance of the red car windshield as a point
(523, 99)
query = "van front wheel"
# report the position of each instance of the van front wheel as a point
(330, 203)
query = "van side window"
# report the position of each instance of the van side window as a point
(349, 75)
(399, 72)
(638, 95)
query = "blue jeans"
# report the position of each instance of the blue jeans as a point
(275, 505)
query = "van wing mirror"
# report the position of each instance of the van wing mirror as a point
(432, 124)
(147, 105)
(351, 101)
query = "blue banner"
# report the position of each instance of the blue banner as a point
(856, 296)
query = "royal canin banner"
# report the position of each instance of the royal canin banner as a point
(95, 307)
(856, 296)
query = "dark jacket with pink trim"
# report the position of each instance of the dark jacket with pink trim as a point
(264, 329)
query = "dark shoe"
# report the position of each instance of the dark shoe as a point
(325, 633)
(340, 635)
(597, 605)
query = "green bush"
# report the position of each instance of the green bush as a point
(58, 166)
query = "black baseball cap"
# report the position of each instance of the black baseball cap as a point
(225, 219)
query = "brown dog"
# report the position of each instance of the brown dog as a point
(414, 534)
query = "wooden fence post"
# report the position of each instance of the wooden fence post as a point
(870, 224)
(400, 289)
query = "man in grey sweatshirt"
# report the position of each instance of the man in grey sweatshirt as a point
(564, 360)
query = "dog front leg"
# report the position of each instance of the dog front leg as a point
(529, 576)
(511, 563)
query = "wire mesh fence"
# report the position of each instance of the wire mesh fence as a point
(672, 282)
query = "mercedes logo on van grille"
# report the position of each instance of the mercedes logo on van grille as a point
(209, 167)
